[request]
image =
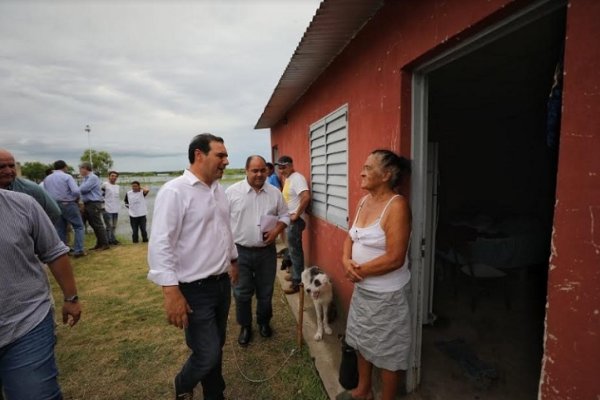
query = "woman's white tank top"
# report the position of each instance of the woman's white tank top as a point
(368, 243)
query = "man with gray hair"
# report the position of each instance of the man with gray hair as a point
(93, 204)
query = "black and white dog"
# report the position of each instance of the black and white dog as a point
(318, 286)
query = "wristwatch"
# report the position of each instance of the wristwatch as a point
(72, 299)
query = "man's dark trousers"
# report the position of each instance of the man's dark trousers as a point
(138, 224)
(93, 213)
(205, 335)
(257, 270)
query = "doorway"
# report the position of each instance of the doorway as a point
(488, 130)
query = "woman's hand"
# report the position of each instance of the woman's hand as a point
(352, 270)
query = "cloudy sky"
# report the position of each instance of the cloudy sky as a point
(145, 75)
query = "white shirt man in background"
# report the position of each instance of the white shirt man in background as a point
(258, 215)
(135, 201)
(112, 205)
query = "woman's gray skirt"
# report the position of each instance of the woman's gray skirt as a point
(379, 327)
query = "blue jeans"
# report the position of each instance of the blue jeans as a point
(295, 253)
(205, 336)
(27, 366)
(110, 221)
(257, 269)
(71, 215)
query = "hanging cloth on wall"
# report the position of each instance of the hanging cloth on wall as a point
(554, 105)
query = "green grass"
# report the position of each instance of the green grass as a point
(122, 348)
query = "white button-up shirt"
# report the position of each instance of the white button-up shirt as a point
(247, 206)
(191, 234)
(112, 198)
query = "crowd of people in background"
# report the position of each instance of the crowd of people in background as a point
(194, 213)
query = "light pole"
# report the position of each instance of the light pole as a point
(88, 129)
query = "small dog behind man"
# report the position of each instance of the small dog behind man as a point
(318, 286)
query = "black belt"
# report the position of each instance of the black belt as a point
(210, 278)
(256, 248)
(92, 202)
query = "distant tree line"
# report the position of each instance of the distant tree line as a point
(102, 163)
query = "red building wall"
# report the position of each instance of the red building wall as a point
(369, 77)
(572, 344)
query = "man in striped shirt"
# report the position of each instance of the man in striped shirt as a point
(27, 240)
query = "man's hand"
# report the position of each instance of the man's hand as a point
(72, 310)
(176, 307)
(271, 236)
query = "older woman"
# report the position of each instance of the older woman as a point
(375, 259)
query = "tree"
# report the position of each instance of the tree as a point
(35, 170)
(101, 161)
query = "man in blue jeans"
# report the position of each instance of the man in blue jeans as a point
(112, 204)
(63, 189)
(192, 255)
(27, 240)
(297, 196)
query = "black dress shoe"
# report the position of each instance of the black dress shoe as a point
(265, 330)
(245, 336)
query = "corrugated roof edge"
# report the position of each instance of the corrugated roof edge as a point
(335, 24)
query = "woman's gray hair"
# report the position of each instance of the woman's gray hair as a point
(398, 166)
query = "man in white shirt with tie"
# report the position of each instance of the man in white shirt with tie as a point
(258, 215)
(192, 255)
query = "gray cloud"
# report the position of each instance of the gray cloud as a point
(146, 76)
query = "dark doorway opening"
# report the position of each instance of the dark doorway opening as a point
(492, 123)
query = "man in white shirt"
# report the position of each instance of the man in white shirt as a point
(297, 196)
(258, 215)
(135, 201)
(190, 254)
(112, 205)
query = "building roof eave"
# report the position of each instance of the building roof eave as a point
(334, 25)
